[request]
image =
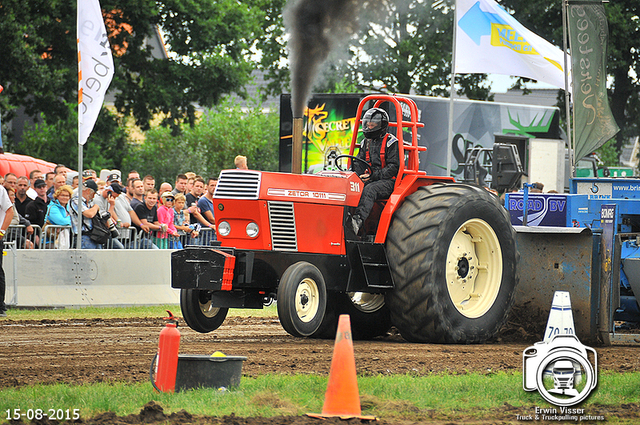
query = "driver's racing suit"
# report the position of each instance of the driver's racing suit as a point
(383, 156)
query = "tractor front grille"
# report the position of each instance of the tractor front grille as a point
(283, 226)
(238, 184)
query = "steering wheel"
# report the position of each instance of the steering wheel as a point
(353, 158)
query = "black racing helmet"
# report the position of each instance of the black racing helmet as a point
(374, 123)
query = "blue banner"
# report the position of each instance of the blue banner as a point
(543, 209)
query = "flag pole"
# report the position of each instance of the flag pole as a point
(451, 94)
(567, 95)
(80, 197)
(80, 99)
(79, 210)
(94, 49)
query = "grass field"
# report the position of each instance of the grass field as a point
(122, 312)
(400, 397)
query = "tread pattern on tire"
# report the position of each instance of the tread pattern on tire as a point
(420, 304)
(286, 303)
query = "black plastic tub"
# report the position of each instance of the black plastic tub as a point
(202, 371)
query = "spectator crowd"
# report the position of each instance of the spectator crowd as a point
(138, 214)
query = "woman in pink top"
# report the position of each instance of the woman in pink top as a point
(165, 218)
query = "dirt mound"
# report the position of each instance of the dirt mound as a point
(153, 413)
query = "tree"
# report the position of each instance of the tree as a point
(211, 144)
(209, 43)
(402, 47)
(38, 66)
(272, 46)
(544, 17)
(57, 141)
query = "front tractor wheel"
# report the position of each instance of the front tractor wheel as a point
(453, 256)
(198, 312)
(302, 301)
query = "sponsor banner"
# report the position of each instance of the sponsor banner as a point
(490, 41)
(329, 120)
(543, 209)
(588, 35)
(609, 189)
(95, 66)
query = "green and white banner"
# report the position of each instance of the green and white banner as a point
(588, 35)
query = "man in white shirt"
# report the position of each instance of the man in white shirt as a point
(6, 214)
(33, 176)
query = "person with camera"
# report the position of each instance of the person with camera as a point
(106, 201)
(89, 210)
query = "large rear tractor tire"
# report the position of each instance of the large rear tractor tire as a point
(453, 256)
(198, 312)
(303, 309)
(369, 314)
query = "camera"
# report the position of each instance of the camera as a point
(105, 215)
(113, 228)
(565, 359)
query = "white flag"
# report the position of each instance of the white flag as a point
(491, 41)
(95, 66)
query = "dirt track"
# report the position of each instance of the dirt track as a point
(79, 351)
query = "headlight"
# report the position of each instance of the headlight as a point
(224, 228)
(252, 230)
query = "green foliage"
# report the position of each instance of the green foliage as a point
(402, 47)
(406, 46)
(210, 57)
(205, 148)
(39, 62)
(545, 19)
(609, 154)
(272, 46)
(211, 145)
(210, 42)
(56, 140)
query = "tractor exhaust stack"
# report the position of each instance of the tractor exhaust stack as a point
(296, 146)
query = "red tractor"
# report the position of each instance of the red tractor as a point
(437, 261)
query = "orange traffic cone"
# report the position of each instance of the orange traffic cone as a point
(342, 398)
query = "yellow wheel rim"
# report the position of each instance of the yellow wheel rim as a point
(307, 300)
(208, 310)
(474, 268)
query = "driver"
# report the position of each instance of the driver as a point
(380, 150)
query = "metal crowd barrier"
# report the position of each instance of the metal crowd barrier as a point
(56, 237)
(22, 239)
(131, 238)
(61, 237)
(13, 299)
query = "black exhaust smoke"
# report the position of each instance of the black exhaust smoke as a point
(315, 27)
